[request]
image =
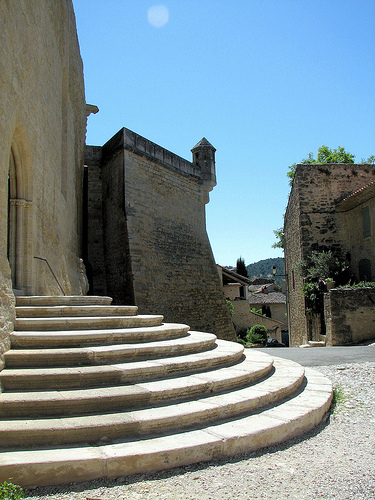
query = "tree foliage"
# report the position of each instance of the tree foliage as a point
(279, 233)
(241, 267)
(315, 270)
(325, 155)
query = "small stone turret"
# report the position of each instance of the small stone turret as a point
(204, 157)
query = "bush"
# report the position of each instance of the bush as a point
(11, 491)
(257, 335)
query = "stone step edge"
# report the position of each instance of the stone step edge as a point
(60, 338)
(284, 382)
(46, 300)
(62, 311)
(96, 355)
(16, 379)
(92, 400)
(241, 435)
(74, 323)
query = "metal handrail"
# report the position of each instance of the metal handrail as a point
(53, 274)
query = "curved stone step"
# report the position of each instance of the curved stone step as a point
(154, 392)
(79, 338)
(74, 310)
(32, 379)
(58, 465)
(81, 323)
(58, 300)
(285, 380)
(117, 353)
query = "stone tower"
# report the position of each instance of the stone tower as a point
(204, 157)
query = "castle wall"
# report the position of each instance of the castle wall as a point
(311, 223)
(155, 238)
(42, 133)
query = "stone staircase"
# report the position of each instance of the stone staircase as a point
(92, 390)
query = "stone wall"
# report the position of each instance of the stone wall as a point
(293, 255)
(157, 252)
(349, 315)
(356, 242)
(244, 318)
(311, 224)
(42, 133)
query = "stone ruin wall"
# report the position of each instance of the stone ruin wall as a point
(311, 224)
(42, 126)
(293, 255)
(156, 247)
(349, 315)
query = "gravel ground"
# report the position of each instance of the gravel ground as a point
(334, 461)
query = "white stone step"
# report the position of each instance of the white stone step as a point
(286, 379)
(155, 392)
(58, 300)
(105, 354)
(77, 338)
(64, 377)
(278, 423)
(74, 310)
(81, 323)
(87, 372)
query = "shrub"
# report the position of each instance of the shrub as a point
(11, 491)
(257, 335)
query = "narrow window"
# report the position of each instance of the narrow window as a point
(366, 222)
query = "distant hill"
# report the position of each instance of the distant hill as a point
(263, 269)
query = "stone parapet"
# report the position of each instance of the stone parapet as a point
(129, 140)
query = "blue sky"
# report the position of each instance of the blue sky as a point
(265, 81)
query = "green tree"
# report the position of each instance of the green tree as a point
(241, 267)
(279, 233)
(315, 270)
(325, 155)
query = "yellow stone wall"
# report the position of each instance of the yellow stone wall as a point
(42, 133)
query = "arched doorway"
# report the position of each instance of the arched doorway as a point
(19, 248)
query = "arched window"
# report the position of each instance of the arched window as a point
(19, 244)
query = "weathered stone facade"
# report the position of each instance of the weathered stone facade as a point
(148, 245)
(356, 226)
(350, 315)
(312, 223)
(42, 133)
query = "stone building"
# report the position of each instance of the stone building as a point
(315, 220)
(356, 226)
(42, 134)
(272, 303)
(234, 285)
(146, 233)
(46, 234)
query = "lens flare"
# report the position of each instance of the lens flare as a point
(158, 16)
